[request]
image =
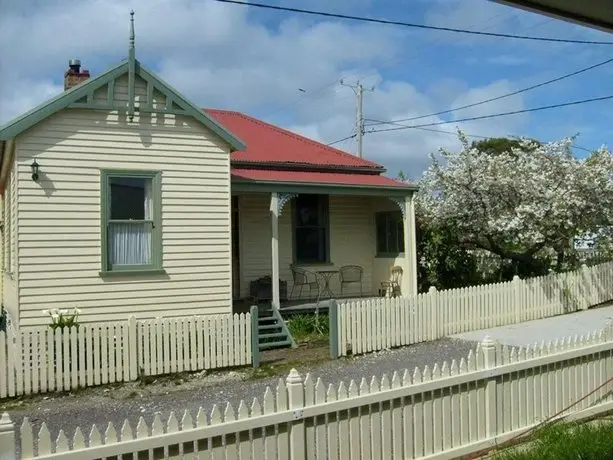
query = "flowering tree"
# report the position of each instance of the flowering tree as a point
(522, 200)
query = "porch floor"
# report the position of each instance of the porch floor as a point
(293, 307)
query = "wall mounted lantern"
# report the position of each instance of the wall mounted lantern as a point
(34, 167)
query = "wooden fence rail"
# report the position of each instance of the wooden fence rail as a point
(39, 359)
(442, 411)
(375, 324)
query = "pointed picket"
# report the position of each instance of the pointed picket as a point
(61, 443)
(172, 425)
(157, 428)
(26, 438)
(396, 381)
(215, 415)
(110, 435)
(125, 433)
(95, 437)
(309, 390)
(187, 422)
(142, 430)
(201, 418)
(44, 441)
(406, 378)
(78, 440)
(453, 369)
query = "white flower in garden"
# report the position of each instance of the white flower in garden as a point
(46, 312)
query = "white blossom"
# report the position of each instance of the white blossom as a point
(533, 196)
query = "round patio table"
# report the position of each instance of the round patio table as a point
(326, 276)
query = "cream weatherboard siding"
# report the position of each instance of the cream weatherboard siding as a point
(59, 253)
(9, 250)
(352, 241)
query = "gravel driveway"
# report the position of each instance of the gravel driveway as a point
(130, 401)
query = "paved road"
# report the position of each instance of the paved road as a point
(524, 334)
(83, 409)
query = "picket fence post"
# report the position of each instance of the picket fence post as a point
(133, 348)
(255, 340)
(333, 329)
(519, 297)
(7, 438)
(489, 349)
(297, 430)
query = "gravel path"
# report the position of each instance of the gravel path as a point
(131, 401)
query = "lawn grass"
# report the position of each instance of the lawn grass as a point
(566, 441)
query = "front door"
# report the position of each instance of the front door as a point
(236, 288)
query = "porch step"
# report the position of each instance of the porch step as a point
(272, 330)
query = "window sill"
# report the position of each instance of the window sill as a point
(389, 255)
(129, 273)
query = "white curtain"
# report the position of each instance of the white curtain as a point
(130, 243)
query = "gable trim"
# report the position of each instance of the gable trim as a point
(85, 90)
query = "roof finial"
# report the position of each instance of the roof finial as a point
(131, 29)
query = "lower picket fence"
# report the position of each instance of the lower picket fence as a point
(451, 409)
(39, 359)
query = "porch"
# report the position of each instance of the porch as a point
(296, 247)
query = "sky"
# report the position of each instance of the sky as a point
(285, 67)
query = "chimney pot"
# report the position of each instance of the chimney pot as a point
(74, 75)
(74, 64)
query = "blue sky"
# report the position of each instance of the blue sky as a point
(254, 60)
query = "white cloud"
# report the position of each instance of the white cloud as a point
(220, 56)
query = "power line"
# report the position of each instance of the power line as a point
(495, 115)
(477, 136)
(341, 140)
(413, 25)
(320, 90)
(514, 93)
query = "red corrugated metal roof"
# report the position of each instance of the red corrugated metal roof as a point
(269, 144)
(307, 177)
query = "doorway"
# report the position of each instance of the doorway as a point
(236, 288)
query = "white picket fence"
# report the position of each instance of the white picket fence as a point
(363, 326)
(39, 360)
(444, 411)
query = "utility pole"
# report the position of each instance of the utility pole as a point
(359, 89)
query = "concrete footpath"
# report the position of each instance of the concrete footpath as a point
(524, 334)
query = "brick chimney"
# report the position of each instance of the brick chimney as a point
(74, 75)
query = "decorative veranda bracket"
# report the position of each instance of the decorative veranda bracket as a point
(285, 198)
(399, 201)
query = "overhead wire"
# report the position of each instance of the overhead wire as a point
(497, 98)
(414, 25)
(540, 23)
(387, 61)
(495, 115)
(341, 140)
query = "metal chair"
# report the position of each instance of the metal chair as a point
(392, 286)
(302, 277)
(351, 274)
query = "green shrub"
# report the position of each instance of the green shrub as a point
(566, 441)
(305, 327)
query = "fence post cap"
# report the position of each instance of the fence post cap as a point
(293, 377)
(516, 278)
(488, 342)
(432, 289)
(5, 422)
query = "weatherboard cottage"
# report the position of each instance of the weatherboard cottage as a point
(122, 197)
